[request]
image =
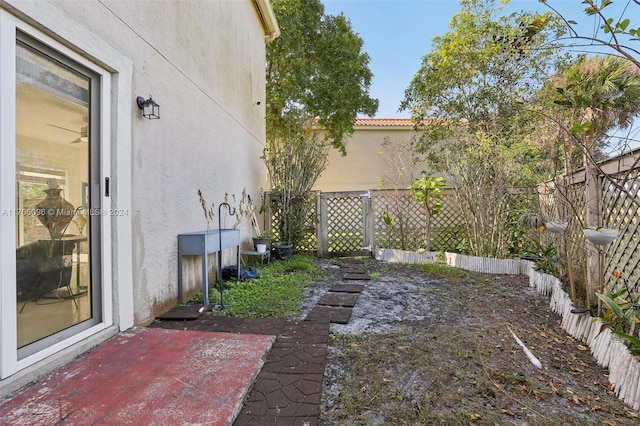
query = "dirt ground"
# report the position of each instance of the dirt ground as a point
(422, 350)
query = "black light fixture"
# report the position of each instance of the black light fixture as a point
(150, 108)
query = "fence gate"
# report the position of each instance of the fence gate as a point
(345, 223)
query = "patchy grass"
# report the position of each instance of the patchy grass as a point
(445, 272)
(277, 293)
(460, 365)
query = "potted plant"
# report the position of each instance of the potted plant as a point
(283, 249)
(264, 238)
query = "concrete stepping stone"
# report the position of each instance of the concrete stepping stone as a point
(329, 314)
(361, 277)
(345, 300)
(347, 288)
(186, 312)
(352, 270)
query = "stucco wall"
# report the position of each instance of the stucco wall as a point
(365, 161)
(203, 62)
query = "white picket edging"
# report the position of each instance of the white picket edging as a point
(608, 350)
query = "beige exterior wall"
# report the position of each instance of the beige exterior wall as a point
(203, 62)
(365, 161)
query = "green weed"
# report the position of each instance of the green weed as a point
(277, 293)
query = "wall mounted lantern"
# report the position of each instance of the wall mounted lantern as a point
(150, 109)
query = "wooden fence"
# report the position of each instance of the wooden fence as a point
(618, 197)
(353, 222)
(347, 223)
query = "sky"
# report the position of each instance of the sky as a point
(398, 33)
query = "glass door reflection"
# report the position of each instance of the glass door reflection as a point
(53, 274)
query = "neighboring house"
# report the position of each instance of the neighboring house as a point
(370, 159)
(70, 126)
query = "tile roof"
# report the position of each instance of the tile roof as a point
(384, 122)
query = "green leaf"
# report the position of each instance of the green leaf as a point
(617, 311)
(605, 3)
(623, 25)
(631, 339)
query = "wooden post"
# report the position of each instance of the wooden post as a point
(323, 225)
(593, 217)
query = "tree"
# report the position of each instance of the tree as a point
(618, 34)
(317, 74)
(402, 163)
(604, 92)
(481, 71)
(471, 89)
(293, 169)
(427, 192)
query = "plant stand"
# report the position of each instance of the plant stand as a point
(203, 243)
(264, 256)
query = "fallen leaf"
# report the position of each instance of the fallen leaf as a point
(575, 400)
(582, 348)
(553, 387)
(631, 414)
(508, 412)
(353, 345)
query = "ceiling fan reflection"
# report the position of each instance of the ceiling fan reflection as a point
(84, 135)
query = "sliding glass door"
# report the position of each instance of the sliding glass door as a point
(57, 231)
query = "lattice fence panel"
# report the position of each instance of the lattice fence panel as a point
(448, 230)
(621, 211)
(407, 232)
(272, 215)
(564, 202)
(406, 228)
(273, 212)
(345, 224)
